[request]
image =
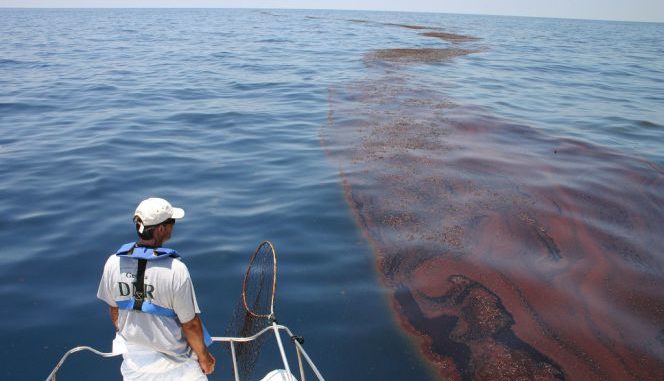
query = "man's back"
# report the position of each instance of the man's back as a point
(167, 285)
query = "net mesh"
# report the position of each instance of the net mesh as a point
(255, 310)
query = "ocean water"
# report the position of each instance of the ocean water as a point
(296, 126)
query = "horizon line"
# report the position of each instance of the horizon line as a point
(343, 10)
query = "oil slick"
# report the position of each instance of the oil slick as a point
(510, 254)
(415, 55)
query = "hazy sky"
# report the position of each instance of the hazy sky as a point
(635, 10)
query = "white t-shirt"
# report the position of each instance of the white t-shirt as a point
(168, 285)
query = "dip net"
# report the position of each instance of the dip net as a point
(255, 310)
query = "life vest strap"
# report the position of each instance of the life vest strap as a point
(148, 307)
(151, 308)
(139, 293)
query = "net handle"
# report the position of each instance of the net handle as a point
(274, 280)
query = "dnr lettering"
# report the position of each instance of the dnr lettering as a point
(125, 290)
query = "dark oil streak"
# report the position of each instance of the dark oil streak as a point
(438, 328)
(504, 335)
(549, 243)
(548, 331)
(560, 210)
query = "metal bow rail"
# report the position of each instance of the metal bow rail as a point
(296, 340)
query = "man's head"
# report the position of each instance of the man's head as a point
(154, 218)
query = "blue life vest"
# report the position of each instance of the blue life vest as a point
(130, 250)
(137, 301)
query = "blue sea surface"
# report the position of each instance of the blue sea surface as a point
(220, 111)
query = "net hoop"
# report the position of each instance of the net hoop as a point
(274, 280)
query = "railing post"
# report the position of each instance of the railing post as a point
(311, 363)
(281, 348)
(235, 371)
(299, 363)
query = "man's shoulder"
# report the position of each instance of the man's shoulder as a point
(112, 260)
(170, 264)
(179, 266)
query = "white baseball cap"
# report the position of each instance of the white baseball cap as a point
(153, 211)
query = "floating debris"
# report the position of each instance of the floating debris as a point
(416, 55)
(409, 26)
(450, 37)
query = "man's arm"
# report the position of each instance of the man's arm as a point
(193, 331)
(113, 311)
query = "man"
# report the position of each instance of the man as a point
(152, 302)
